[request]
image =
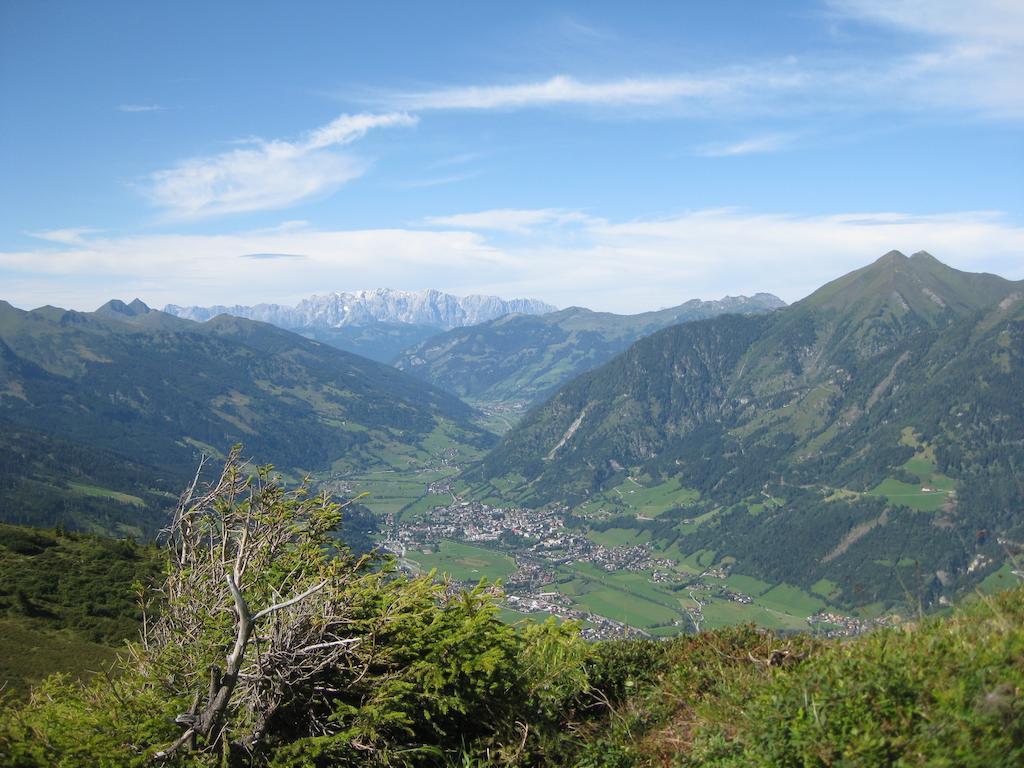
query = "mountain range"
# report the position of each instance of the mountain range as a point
(377, 323)
(863, 444)
(875, 426)
(104, 414)
(522, 359)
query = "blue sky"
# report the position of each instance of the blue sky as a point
(620, 156)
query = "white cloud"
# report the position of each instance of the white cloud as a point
(246, 267)
(991, 21)
(974, 59)
(626, 266)
(753, 146)
(267, 174)
(563, 89)
(141, 108)
(508, 219)
(347, 128)
(963, 75)
(437, 181)
(966, 57)
(70, 236)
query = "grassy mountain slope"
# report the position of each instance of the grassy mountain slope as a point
(876, 423)
(525, 358)
(130, 397)
(940, 692)
(66, 601)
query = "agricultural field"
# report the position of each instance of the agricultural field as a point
(639, 497)
(748, 585)
(388, 492)
(396, 482)
(725, 613)
(1000, 579)
(790, 600)
(465, 562)
(928, 495)
(423, 505)
(932, 489)
(633, 598)
(825, 588)
(624, 606)
(619, 537)
(401, 493)
(623, 596)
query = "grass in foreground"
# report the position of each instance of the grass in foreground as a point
(28, 654)
(944, 692)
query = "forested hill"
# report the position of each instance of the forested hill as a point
(895, 386)
(522, 358)
(104, 414)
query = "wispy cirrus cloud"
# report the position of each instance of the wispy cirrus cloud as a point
(509, 219)
(68, 236)
(141, 108)
(991, 21)
(636, 91)
(972, 56)
(968, 58)
(266, 256)
(967, 62)
(266, 174)
(437, 181)
(773, 142)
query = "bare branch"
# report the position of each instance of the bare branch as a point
(233, 543)
(287, 603)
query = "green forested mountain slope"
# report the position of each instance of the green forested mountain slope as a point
(383, 342)
(524, 358)
(878, 421)
(106, 413)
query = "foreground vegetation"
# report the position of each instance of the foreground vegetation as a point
(66, 601)
(944, 692)
(322, 658)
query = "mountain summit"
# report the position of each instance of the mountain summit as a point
(920, 285)
(877, 421)
(118, 307)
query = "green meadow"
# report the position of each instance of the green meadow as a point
(465, 562)
(932, 489)
(637, 497)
